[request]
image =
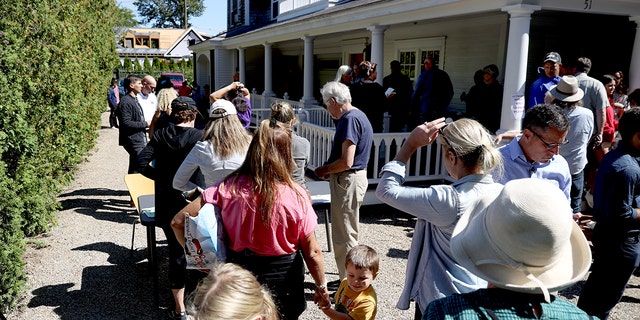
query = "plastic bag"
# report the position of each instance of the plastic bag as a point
(204, 238)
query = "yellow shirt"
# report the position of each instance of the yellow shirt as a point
(358, 305)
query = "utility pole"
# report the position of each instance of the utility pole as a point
(185, 15)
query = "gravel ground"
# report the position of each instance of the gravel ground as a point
(84, 268)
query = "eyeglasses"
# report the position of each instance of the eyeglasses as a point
(549, 146)
(449, 145)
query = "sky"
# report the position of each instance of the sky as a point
(211, 22)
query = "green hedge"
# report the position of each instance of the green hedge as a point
(56, 60)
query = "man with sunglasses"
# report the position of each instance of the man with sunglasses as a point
(535, 152)
(147, 97)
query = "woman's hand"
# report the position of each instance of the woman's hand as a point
(321, 299)
(421, 136)
(426, 133)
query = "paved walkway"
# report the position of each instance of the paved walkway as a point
(86, 269)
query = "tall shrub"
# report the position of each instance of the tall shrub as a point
(146, 64)
(127, 63)
(155, 63)
(55, 65)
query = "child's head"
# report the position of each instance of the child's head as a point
(231, 292)
(362, 267)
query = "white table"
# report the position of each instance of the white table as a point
(321, 198)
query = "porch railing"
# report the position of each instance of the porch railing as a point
(317, 126)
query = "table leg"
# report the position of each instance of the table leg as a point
(328, 228)
(151, 249)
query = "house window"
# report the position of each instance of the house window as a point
(142, 42)
(155, 43)
(411, 66)
(413, 52)
(407, 63)
(235, 12)
(128, 43)
(275, 9)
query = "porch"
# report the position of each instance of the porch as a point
(316, 125)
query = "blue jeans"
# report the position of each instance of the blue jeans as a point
(577, 187)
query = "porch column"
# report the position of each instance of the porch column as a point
(307, 97)
(212, 71)
(268, 86)
(634, 66)
(513, 99)
(195, 68)
(241, 64)
(377, 49)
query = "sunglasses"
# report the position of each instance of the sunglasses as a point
(549, 146)
(444, 136)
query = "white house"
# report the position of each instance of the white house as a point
(295, 46)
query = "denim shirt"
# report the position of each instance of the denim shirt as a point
(431, 272)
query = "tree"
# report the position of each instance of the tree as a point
(155, 63)
(136, 65)
(122, 19)
(127, 64)
(168, 13)
(146, 64)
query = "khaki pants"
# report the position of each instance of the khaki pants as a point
(347, 193)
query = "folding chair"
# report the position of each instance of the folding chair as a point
(142, 189)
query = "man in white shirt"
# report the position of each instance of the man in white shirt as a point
(147, 97)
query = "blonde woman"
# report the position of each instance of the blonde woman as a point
(300, 147)
(165, 95)
(220, 151)
(230, 292)
(469, 155)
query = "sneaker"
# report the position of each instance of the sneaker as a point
(114, 128)
(178, 315)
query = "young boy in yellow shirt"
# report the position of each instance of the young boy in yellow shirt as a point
(356, 299)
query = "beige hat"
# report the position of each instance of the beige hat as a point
(222, 104)
(525, 240)
(567, 90)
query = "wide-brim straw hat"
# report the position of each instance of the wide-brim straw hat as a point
(567, 90)
(524, 240)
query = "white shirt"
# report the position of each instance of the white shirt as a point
(149, 105)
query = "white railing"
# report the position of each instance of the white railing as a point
(425, 164)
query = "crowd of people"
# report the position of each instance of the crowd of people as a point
(497, 242)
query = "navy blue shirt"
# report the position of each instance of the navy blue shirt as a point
(617, 189)
(355, 127)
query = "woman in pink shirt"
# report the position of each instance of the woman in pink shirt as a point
(269, 220)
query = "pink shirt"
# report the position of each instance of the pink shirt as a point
(293, 219)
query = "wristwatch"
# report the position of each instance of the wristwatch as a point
(321, 287)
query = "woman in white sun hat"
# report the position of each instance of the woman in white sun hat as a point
(526, 246)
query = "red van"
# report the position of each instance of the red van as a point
(176, 79)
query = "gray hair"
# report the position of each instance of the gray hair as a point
(336, 90)
(344, 69)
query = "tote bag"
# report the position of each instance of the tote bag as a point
(204, 238)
